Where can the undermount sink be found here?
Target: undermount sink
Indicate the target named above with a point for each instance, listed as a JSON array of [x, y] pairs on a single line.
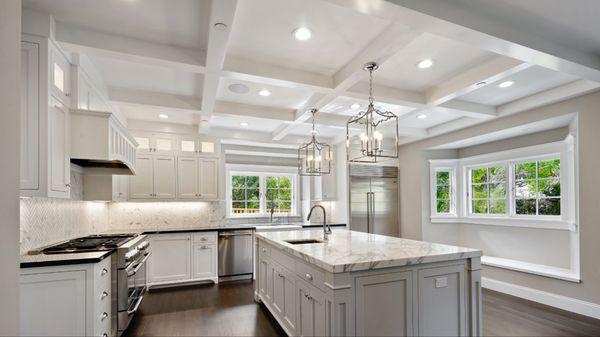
[[303, 241]]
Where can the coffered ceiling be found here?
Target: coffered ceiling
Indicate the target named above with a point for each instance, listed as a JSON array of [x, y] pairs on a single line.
[[255, 79]]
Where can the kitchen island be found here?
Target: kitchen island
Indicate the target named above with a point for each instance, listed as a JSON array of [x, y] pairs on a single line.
[[360, 284]]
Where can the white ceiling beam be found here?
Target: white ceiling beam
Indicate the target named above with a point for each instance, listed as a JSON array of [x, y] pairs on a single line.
[[468, 109], [268, 74], [90, 42], [223, 108], [387, 95], [550, 96], [487, 72], [154, 99], [222, 13]]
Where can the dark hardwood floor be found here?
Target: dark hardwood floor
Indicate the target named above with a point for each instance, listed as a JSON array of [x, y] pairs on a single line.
[[228, 309]]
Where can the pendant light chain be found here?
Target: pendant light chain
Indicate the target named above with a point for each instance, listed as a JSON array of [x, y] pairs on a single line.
[[371, 99]]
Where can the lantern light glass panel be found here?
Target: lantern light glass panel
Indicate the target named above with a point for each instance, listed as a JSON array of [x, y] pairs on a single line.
[[314, 158], [372, 136]]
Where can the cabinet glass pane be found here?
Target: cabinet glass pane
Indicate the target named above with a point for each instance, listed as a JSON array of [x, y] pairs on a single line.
[[59, 77], [207, 147], [163, 144], [188, 146], [144, 143]]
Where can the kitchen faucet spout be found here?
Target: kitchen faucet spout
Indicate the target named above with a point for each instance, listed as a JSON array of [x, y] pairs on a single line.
[[326, 228]]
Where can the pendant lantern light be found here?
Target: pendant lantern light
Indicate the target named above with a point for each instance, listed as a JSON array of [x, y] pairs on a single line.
[[314, 157]]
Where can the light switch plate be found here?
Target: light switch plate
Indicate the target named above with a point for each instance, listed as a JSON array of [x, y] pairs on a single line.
[[441, 282]]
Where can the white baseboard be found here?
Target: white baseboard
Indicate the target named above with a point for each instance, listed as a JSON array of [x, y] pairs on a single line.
[[558, 301]]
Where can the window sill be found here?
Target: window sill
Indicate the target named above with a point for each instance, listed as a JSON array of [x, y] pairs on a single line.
[[509, 222], [532, 268]]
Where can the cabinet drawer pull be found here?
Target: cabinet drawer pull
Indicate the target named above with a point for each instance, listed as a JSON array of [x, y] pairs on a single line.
[[105, 335], [308, 276], [104, 295], [103, 272], [104, 316], [278, 274]]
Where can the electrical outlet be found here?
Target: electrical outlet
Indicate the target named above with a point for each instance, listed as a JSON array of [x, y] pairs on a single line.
[[441, 282]]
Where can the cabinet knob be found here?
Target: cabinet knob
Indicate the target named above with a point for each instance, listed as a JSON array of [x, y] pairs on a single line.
[[103, 272], [278, 274], [104, 295], [68, 185], [104, 316], [105, 335], [67, 94], [264, 250], [308, 276], [308, 297]]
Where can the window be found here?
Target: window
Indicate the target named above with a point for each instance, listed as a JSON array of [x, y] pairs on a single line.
[[537, 187], [253, 194], [487, 192], [245, 194], [444, 194], [279, 194], [525, 187]]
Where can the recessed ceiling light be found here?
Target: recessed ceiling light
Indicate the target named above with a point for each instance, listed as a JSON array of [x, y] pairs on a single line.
[[425, 64], [422, 116], [243, 124], [355, 106], [302, 33], [238, 88], [506, 84], [264, 92], [163, 116]]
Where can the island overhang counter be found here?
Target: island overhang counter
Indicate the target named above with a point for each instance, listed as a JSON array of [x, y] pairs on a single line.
[[360, 284]]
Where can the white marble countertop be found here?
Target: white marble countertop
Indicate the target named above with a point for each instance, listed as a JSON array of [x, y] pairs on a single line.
[[352, 251]]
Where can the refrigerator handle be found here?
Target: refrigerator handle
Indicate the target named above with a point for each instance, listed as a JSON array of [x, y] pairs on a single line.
[[372, 211], [368, 211]]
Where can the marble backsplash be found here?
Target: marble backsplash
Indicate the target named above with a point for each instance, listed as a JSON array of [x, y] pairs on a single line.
[[46, 221], [125, 216]]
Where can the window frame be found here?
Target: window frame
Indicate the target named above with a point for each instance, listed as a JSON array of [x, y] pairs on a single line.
[[262, 172], [468, 179], [450, 166]]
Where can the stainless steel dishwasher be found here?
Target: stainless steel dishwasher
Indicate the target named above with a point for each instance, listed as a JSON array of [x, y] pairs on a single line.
[[235, 254]]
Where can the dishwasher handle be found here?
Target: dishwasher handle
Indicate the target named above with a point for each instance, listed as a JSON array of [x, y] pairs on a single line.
[[224, 235]]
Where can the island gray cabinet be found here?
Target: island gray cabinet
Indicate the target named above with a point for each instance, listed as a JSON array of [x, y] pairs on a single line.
[[428, 299]]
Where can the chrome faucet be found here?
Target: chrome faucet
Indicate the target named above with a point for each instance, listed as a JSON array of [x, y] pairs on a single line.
[[326, 228]]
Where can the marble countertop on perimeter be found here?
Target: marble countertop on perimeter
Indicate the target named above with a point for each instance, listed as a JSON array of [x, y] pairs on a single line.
[[353, 251]]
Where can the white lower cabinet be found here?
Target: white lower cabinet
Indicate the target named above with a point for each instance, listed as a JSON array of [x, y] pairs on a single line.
[[311, 310], [204, 264], [171, 258], [182, 257], [73, 300]]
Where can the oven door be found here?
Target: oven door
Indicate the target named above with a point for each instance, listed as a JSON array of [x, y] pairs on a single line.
[[134, 277]]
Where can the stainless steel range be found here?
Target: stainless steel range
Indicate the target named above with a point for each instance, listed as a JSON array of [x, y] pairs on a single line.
[[128, 270]]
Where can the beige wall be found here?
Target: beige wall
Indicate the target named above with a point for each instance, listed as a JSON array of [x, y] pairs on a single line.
[[414, 196], [10, 55]]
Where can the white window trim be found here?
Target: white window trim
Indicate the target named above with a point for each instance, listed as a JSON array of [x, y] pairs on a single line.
[[563, 150], [262, 171]]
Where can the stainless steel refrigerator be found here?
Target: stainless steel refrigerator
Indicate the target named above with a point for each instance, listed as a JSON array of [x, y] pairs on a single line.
[[374, 204]]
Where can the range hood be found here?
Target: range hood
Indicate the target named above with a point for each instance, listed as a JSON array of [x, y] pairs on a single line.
[[100, 144]]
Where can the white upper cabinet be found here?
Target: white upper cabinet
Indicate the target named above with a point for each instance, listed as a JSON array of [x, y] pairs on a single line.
[[196, 146], [45, 131], [165, 175], [60, 167], [155, 143], [60, 76], [30, 110], [156, 178], [188, 178], [209, 178], [141, 186]]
